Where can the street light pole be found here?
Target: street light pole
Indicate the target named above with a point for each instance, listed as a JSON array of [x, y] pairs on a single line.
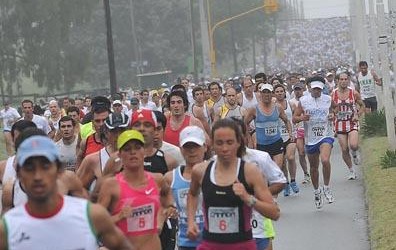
[[110, 49], [211, 36]]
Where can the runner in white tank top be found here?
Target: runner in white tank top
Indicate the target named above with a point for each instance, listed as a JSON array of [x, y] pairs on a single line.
[[316, 111], [63, 222]]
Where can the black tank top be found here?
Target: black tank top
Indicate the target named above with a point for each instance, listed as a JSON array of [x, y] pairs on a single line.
[[227, 217], [156, 163]]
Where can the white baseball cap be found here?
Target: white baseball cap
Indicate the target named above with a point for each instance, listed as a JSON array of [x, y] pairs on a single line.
[[266, 86], [317, 84], [192, 134]]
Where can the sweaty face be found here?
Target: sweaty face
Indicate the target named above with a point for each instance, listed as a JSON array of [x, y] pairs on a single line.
[[27, 108], [199, 96], [363, 69], [132, 154], [225, 143], [75, 116], [67, 129], [266, 96], [99, 119], [231, 96], [38, 177], [176, 105], [146, 128], [214, 91], [280, 93], [343, 81], [247, 86], [54, 108], [193, 153]]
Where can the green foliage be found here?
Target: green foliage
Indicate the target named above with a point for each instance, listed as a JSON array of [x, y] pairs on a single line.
[[374, 124], [389, 159]]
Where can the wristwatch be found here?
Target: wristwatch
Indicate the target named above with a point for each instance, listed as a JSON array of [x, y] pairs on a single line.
[[252, 201]]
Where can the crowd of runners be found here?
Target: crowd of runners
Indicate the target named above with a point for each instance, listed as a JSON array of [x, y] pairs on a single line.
[[194, 166]]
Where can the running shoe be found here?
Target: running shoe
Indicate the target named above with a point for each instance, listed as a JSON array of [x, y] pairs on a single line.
[[286, 190], [307, 179], [318, 199], [352, 175], [328, 195], [294, 187], [356, 158]]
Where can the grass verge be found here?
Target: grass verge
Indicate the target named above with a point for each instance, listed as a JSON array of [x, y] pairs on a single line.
[[380, 194]]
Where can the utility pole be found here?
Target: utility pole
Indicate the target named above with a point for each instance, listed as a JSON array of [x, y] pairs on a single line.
[[383, 40], [193, 50], [234, 52], [392, 14], [204, 39], [110, 49], [373, 32], [135, 40]]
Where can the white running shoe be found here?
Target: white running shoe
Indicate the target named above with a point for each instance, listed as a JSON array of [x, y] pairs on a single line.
[[356, 158], [318, 199], [307, 179], [352, 175], [328, 195]]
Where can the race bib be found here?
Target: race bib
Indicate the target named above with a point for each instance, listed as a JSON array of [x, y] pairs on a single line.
[[271, 130], [223, 220], [318, 131], [344, 115], [141, 218]]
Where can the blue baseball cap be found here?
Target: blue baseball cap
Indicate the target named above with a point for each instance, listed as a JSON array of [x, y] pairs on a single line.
[[37, 145]]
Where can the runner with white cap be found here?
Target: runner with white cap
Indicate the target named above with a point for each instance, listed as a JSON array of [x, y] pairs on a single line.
[[316, 111]]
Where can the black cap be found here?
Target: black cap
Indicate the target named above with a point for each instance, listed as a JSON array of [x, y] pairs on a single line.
[[100, 102], [117, 120]]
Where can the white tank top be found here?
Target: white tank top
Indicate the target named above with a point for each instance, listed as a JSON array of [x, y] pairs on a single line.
[[69, 228], [103, 158], [19, 196], [367, 85], [9, 171], [246, 103], [282, 125], [318, 126], [68, 154]]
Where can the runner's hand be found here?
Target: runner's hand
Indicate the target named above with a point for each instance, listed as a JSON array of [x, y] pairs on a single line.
[[192, 231], [125, 212], [240, 190]]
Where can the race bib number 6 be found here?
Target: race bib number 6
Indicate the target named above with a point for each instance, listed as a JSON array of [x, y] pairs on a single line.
[[223, 220]]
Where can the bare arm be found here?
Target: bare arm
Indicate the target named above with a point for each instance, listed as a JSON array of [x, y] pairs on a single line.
[[170, 161], [108, 194], [3, 235], [81, 152], [250, 115], [360, 103], [192, 199], [283, 116], [265, 204], [106, 230], [85, 172], [298, 115], [377, 79], [200, 115], [6, 199], [74, 185]]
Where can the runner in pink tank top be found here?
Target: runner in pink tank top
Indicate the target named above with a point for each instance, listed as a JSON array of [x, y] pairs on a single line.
[[145, 206], [134, 197]]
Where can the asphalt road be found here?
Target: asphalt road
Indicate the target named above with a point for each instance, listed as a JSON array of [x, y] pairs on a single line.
[[337, 226]]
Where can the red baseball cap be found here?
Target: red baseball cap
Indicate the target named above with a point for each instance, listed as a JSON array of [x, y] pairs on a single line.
[[144, 115]]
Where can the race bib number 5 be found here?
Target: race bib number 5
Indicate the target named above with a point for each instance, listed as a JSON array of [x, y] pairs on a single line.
[[223, 220]]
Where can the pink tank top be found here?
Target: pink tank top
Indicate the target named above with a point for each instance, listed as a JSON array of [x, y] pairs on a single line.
[[172, 136], [145, 203]]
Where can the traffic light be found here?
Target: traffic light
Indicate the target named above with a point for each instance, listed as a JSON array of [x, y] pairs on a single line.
[[271, 6]]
